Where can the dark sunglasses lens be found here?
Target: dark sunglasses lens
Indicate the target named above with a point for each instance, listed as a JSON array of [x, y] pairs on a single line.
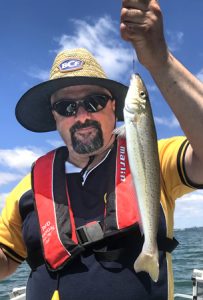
[[92, 103], [96, 103], [65, 108]]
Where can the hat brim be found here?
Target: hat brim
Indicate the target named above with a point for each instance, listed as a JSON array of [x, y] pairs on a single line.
[[33, 110]]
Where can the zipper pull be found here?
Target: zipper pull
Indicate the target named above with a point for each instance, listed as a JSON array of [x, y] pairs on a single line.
[[55, 295]]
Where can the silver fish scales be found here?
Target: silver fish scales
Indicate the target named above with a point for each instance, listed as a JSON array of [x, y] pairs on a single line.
[[143, 158]]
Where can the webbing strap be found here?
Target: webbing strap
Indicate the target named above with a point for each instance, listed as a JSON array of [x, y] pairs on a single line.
[[165, 244]]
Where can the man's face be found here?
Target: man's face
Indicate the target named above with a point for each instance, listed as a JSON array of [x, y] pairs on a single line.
[[85, 132]]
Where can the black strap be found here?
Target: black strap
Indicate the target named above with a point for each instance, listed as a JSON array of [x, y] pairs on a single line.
[[165, 244], [168, 245], [108, 255]]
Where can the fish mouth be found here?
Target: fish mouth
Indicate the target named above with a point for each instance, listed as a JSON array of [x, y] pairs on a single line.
[[129, 109]]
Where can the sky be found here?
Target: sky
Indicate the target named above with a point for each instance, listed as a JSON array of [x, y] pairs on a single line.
[[32, 33]]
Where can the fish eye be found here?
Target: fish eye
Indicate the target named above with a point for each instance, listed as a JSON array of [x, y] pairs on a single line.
[[142, 94]]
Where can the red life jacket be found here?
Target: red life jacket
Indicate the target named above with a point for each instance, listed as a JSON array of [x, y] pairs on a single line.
[[61, 240]]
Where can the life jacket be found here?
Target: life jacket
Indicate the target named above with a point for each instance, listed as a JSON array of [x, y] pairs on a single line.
[[61, 240]]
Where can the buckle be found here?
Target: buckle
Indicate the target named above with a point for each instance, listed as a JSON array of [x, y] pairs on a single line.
[[90, 232]]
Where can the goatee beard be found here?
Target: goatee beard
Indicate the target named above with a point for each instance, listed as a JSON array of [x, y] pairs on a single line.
[[82, 147]]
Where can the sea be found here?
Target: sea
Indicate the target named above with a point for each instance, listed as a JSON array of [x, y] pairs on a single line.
[[187, 257]]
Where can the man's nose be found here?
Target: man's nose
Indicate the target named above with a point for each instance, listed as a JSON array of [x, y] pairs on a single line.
[[82, 113]]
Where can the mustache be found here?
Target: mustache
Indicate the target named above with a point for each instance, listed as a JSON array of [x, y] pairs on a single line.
[[87, 123]]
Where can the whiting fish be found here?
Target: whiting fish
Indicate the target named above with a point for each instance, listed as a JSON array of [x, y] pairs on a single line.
[[143, 158]]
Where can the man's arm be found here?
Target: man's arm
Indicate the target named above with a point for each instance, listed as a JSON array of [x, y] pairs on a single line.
[[142, 25], [7, 265]]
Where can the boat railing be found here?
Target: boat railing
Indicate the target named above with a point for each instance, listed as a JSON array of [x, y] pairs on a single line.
[[197, 287], [184, 296], [18, 293]]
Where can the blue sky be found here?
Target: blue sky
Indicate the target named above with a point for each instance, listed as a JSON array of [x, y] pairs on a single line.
[[32, 32]]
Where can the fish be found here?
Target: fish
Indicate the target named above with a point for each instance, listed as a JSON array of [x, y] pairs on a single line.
[[142, 148]]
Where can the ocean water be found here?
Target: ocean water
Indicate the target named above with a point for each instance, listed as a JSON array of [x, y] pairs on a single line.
[[187, 256]]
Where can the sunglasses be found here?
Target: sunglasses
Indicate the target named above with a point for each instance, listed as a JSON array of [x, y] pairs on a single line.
[[91, 103]]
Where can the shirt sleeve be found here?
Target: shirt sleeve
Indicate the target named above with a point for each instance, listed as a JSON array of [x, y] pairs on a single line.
[[174, 178], [11, 240]]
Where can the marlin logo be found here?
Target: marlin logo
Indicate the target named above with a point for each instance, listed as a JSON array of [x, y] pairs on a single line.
[[71, 64]]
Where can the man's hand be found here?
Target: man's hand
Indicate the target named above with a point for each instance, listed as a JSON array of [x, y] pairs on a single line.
[[142, 25], [7, 265]]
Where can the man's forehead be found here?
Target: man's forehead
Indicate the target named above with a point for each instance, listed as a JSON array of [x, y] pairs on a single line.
[[79, 91]]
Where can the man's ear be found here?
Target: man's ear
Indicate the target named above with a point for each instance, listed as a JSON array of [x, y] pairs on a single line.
[[54, 114], [114, 105]]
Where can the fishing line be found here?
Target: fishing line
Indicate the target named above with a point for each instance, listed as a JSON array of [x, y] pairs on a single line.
[[134, 58]]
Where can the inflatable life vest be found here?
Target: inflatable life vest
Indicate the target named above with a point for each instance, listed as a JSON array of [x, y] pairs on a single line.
[[61, 240]]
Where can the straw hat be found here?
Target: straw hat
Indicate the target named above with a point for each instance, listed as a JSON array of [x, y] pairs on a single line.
[[70, 67]]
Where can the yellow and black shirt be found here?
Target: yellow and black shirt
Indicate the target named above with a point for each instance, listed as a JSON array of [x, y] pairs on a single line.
[[20, 239]]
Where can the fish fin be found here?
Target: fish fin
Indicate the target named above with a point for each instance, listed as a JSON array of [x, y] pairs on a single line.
[[120, 131], [140, 224], [148, 263]]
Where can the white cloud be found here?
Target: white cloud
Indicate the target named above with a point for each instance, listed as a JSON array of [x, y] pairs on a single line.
[[42, 75], [2, 200], [55, 143], [189, 210], [102, 39], [200, 75], [170, 122], [19, 158], [175, 39], [6, 178]]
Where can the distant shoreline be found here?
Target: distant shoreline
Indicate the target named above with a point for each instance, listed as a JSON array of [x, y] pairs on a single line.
[[189, 228]]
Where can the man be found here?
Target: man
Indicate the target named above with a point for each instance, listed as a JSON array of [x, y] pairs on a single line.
[[65, 223]]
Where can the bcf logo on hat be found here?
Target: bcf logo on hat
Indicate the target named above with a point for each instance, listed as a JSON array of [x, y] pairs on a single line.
[[70, 64]]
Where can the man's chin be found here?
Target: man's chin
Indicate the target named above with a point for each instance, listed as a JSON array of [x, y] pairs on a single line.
[[87, 147], [87, 140], [84, 138]]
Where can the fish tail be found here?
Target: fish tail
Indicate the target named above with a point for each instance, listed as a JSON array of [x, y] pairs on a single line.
[[148, 263]]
